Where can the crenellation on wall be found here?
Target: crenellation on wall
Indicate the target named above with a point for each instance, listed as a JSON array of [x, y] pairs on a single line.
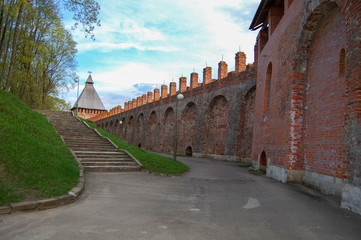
[[149, 97], [182, 84], [222, 70], [139, 101], [274, 17], [144, 99], [194, 80], [156, 94], [240, 62], [207, 75], [172, 88], [164, 91]]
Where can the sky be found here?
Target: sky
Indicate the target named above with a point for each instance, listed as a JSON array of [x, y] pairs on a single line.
[[143, 44]]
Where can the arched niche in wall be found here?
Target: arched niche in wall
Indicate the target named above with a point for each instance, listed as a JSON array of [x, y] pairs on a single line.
[[139, 132], [168, 130], [216, 126], [188, 128], [151, 135]]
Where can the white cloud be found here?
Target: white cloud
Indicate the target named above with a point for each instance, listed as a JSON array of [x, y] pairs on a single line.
[[109, 46], [153, 41], [141, 33]]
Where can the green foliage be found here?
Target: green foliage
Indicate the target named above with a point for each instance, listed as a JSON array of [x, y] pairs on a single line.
[[33, 159], [85, 13], [37, 53], [152, 162]]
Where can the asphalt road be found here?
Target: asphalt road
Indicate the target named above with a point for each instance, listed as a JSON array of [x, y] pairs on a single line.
[[215, 200]]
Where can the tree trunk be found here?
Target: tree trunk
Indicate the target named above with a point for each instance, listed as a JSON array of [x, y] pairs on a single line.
[[13, 54], [4, 65]]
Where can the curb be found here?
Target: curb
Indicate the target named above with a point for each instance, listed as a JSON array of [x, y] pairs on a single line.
[[43, 204], [53, 202]]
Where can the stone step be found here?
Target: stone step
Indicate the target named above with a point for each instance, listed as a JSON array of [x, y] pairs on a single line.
[[99, 152], [85, 138], [103, 163], [111, 168], [87, 141], [100, 159], [104, 158], [95, 152], [88, 149], [89, 145]]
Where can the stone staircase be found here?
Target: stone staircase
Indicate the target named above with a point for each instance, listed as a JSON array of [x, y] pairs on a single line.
[[95, 152]]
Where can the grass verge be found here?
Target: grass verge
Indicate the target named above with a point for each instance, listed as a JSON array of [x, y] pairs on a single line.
[[34, 162], [152, 162], [257, 172]]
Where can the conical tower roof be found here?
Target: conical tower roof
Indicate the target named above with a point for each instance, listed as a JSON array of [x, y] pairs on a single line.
[[89, 98]]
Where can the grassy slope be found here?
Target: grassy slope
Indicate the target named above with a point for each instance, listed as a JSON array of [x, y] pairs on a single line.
[[152, 162], [34, 162]]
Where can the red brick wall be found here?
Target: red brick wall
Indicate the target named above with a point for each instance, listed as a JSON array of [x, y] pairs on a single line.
[[304, 127], [325, 103]]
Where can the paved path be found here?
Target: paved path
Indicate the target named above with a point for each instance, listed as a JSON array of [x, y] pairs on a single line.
[[215, 200]]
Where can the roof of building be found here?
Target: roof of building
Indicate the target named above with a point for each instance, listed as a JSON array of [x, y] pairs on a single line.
[[89, 98], [260, 18]]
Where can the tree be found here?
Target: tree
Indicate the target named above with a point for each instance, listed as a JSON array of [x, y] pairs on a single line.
[[86, 13], [37, 52]]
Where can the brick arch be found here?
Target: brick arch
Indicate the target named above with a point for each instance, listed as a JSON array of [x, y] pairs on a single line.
[[110, 126], [188, 129], [325, 101], [167, 131], [139, 131], [122, 129], [263, 161], [130, 130], [267, 90], [116, 127], [151, 135], [216, 126], [313, 17], [245, 137], [316, 12]]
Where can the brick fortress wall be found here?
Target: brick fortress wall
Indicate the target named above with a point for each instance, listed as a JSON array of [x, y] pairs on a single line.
[[88, 113], [215, 118], [307, 105], [307, 125]]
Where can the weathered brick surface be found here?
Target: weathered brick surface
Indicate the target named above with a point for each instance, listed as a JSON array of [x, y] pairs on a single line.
[[325, 101], [313, 121]]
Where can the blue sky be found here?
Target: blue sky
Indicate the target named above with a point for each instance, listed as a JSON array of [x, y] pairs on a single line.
[[143, 44]]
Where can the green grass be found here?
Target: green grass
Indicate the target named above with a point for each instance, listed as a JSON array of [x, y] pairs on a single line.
[[257, 172], [245, 165], [34, 162], [152, 162]]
